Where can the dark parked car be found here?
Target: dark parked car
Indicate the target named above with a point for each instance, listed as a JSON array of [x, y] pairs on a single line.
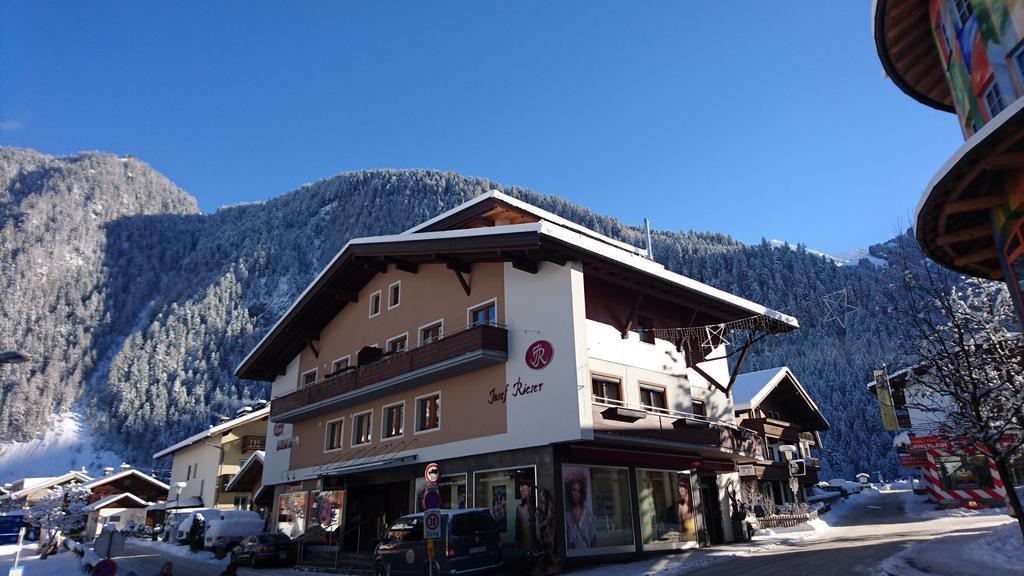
[[262, 549], [469, 544]]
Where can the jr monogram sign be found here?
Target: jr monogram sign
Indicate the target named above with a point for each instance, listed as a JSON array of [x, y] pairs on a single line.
[[539, 354]]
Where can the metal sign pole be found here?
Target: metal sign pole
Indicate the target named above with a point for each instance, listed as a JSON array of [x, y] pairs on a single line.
[[21, 537]]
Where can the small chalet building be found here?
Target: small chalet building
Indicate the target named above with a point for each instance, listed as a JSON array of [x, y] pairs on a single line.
[[27, 491], [560, 378], [122, 498], [203, 464], [773, 403]]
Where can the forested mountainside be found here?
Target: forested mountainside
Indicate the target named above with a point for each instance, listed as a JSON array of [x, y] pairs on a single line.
[[137, 308]]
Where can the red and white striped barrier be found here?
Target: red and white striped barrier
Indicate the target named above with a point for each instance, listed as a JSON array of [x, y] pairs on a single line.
[[971, 497]]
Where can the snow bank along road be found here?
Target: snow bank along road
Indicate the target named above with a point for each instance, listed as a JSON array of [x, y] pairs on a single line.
[[872, 528]]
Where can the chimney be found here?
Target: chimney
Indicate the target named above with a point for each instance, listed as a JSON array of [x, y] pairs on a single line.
[[125, 466], [108, 471]]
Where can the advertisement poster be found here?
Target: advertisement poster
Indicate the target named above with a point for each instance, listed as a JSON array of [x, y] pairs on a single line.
[[509, 495], [291, 514], [451, 488], [597, 508], [666, 509]]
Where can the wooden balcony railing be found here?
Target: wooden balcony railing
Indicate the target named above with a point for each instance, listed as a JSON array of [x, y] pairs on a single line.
[[392, 366], [661, 424]]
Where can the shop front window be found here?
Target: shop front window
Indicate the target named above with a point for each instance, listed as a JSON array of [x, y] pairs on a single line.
[[291, 514], [598, 516], [451, 488], [510, 496], [666, 509], [964, 472]]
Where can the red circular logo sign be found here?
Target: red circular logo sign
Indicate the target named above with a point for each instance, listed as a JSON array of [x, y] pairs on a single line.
[[539, 354]]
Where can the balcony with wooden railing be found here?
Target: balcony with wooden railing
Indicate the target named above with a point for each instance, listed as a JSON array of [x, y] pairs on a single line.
[[471, 349], [661, 424]]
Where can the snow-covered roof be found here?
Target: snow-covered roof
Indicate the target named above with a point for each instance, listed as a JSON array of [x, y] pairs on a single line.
[[116, 497], [750, 389], [529, 209], [123, 474], [551, 228], [254, 415], [255, 457], [41, 483]]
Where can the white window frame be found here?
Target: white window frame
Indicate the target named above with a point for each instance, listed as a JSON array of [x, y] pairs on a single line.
[[387, 345], [384, 421], [380, 304], [302, 377], [369, 428], [347, 357], [390, 286], [993, 89], [416, 417], [485, 303], [419, 331], [341, 436]]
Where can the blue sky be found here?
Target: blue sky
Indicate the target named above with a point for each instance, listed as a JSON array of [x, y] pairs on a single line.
[[754, 119]]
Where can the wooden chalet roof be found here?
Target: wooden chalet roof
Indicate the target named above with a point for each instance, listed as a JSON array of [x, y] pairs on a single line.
[[906, 47], [494, 228]]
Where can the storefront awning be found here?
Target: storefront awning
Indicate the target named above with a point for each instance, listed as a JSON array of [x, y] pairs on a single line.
[[365, 466]]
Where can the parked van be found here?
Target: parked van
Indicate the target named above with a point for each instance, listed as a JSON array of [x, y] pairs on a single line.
[[224, 532], [185, 525], [469, 544]]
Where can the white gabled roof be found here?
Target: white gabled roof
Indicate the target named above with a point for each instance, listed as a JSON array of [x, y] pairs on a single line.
[[48, 482], [256, 456], [529, 209], [114, 498], [750, 389], [254, 415], [124, 473]]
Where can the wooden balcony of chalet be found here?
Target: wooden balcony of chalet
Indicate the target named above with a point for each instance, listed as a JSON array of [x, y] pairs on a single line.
[[465, 351], [682, 428], [778, 429]]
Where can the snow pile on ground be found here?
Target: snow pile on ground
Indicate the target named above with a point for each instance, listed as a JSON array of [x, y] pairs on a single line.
[[63, 564], [991, 550], [68, 445], [169, 549]]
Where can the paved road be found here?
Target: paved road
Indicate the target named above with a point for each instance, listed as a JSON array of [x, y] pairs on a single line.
[[873, 529], [146, 560]]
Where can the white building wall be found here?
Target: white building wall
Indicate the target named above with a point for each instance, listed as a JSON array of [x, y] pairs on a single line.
[[275, 461], [183, 469]]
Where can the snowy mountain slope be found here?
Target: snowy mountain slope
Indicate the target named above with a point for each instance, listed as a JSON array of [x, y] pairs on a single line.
[[851, 257], [144, 324], [68, 445]]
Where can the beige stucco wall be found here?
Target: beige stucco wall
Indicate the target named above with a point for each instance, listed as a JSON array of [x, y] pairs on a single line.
[[466, 412], [433, 293]]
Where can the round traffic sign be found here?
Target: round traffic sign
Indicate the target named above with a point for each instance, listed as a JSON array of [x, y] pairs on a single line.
[[432, 473], [432, 499], [105, 567], [433, 521]]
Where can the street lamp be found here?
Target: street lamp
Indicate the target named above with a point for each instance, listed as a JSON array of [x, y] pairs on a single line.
[[14, 357]]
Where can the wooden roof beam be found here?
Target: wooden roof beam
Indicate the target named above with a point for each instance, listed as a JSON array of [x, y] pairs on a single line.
[[375, 265], [972, 233], [975, 257], [404, 265], [973, 204]]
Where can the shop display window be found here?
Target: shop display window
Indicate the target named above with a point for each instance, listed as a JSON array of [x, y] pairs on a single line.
[[667, 518], [451, 488], [510, 496], [598, 515], [964, 472], [325, 509], [291, 514]]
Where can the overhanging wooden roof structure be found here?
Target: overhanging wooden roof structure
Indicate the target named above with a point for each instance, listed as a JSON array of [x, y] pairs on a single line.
[[494, 228], [903, 39]]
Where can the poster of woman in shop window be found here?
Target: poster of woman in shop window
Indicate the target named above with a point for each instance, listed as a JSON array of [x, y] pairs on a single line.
[[580, 531]]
